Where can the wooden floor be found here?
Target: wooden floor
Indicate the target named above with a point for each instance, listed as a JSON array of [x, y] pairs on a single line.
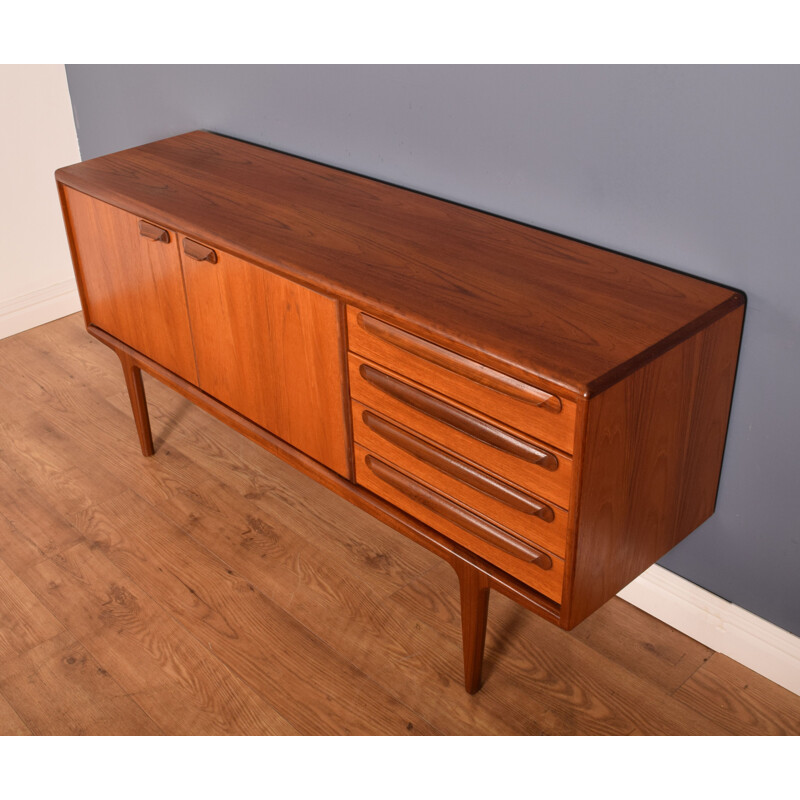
[[213, 590]]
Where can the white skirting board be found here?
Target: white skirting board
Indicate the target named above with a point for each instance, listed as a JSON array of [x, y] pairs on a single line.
[[759, 645], [35, 308]]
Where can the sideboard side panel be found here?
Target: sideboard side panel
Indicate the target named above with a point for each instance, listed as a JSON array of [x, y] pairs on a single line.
[[653, 454]]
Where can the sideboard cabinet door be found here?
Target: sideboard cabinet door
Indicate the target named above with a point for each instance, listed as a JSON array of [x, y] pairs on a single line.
[[132, 284], [270, 349]]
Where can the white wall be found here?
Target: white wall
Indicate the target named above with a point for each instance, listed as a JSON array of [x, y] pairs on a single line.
[[37, 136]]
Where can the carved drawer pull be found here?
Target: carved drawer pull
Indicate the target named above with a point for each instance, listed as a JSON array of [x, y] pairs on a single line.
[[458, 419], [456, 468], [460, 516], [150, 231], [486, 376], [199, 252]]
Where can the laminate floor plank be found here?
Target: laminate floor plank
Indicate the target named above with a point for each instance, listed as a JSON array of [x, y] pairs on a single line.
[[29, 528], [308, 682], [212, 589], [31, 381], [102, 440], [256, 474], [740, 700], [58, 689], [20, 374], [323, 594], [656, 652], [24, 622], [180, 684], [11, 723], [171, 497], [68, 343], [356, 623], [49, 679], [168, 479], [361, 625], [283, 498], [565, 685], [42, 455]]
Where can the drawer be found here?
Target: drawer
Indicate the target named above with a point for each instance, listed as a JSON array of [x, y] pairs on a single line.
[[530, 517], [486, 443], [536, 567], [540, 414]]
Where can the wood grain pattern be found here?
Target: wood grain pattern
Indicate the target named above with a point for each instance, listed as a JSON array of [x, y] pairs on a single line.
[[507, 350], [547, 581], [538, 416], [376, 599], [530, 302], [31, 529], [736, 698], [133, 380], [52, 682], [270, 348], [174, 678], [547, 533], [553, 486], [474, 591], [462, 421], [631, 638], [59, 689], [24, 622], [652, 462], [31, 451], [452, 362], [179, 685], [226, 608], [133, 286], [404, 523], [453, 511], [453, 467], [284, 516], [10, 722], [556, 678]]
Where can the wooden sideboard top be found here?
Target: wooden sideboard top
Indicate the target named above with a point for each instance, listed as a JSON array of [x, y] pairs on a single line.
[[530, 302]]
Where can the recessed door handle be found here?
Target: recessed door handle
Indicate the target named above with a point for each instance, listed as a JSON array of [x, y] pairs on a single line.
[[153, 232], [199, 252]]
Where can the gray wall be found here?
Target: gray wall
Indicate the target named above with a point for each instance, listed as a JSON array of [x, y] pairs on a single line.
[[696, 168]]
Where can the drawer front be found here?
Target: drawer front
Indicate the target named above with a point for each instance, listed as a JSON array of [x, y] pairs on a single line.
[[536, 567], [539, 414], [485, 443], [531, 518]]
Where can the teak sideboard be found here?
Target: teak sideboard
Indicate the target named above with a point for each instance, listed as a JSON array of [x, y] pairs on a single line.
[[547, 416]]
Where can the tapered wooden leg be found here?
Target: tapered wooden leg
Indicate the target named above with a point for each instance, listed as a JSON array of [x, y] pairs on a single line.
[[133, 380], [474, 586]]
